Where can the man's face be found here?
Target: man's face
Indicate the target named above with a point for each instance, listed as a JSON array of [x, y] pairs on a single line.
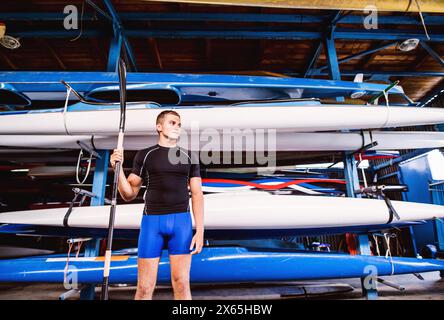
[[170, 127]]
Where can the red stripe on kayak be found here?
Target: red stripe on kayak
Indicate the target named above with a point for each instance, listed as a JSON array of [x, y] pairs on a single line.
[[273, 187], [376, 157]]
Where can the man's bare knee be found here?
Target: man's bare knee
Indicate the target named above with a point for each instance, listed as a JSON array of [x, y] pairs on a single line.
[[180, 283], [147, 285], [145, 290]]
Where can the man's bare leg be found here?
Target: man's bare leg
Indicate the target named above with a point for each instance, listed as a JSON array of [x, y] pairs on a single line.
[[146, 278], [180, 276]]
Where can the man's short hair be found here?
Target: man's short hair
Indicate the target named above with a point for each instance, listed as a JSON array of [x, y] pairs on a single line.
[[162, 116]]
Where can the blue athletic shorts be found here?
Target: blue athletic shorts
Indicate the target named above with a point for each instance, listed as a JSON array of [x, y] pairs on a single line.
[[174, 229]]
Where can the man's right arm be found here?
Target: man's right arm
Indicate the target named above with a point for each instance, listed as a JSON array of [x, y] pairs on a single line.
[[128, 188]]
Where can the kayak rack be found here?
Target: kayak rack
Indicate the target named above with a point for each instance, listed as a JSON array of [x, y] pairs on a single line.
[[378, 192], [71, 293], [92, 153], [97, 196], [391, 284], [83, 194]]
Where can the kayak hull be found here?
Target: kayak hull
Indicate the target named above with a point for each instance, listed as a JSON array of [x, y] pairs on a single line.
[[217, 265], [245, 210], [140, 119], [264, 141]]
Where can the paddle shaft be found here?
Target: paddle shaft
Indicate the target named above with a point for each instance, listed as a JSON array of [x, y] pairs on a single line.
[[118, 166], [112, 214]]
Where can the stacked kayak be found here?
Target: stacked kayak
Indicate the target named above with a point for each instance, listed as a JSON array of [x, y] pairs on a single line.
[[263, 141], [84, 119], [217, 265], [244, 210]]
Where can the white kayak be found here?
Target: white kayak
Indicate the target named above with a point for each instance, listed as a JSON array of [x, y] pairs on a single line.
[[281, 141], [140, 119], [246, 210]]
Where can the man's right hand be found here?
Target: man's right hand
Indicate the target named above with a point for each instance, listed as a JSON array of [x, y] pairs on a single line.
[[116, 156]]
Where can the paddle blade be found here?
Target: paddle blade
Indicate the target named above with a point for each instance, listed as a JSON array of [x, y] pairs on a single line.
[[122, 87]]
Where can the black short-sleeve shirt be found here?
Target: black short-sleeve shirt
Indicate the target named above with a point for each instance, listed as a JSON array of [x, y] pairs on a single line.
[[166, 172]]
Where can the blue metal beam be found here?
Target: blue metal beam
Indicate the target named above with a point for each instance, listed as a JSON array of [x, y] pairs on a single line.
[[352, 179], [349, 34], [330, 50], [314, 59], [99, 10], [99, 186], [381, 73], [388, 176], [120, 33], [100, 176], [129, 51], [332, 59], [404, 157], [361, 54], [340, 33], [59, 33], [229, 17], [433, 53], [350, 168], [351, 175], [114, 53]]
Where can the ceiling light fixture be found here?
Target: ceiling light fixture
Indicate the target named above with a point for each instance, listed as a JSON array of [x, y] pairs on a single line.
[[408, 45]]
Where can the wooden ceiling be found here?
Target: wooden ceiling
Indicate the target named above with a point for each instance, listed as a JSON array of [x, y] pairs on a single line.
[[253, 56]]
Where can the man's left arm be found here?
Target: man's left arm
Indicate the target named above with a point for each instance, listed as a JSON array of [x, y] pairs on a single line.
[[197, 202]]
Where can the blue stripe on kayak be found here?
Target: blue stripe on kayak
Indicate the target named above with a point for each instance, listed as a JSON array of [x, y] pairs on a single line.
[[90, 107], [222, 185], [312, 186]]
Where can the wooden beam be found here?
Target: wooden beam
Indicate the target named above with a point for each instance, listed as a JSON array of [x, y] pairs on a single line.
[[8, 61], [360, 5], [53, 53], [417, 63], [98, 51], [370, 57], [156, 52], [208, 54], [155, 49]]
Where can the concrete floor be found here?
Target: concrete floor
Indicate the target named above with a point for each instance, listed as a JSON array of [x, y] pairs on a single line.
[[432, 288]]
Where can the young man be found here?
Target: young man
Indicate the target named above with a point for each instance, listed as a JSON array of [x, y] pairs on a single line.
[[167, 170]]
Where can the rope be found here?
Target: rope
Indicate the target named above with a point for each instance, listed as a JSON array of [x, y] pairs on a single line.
[[81, 23], [375, 237], [65, 271], [386, 98], [65, 109], [422, 20], [87, 169], [389, 252], [78, 248]]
